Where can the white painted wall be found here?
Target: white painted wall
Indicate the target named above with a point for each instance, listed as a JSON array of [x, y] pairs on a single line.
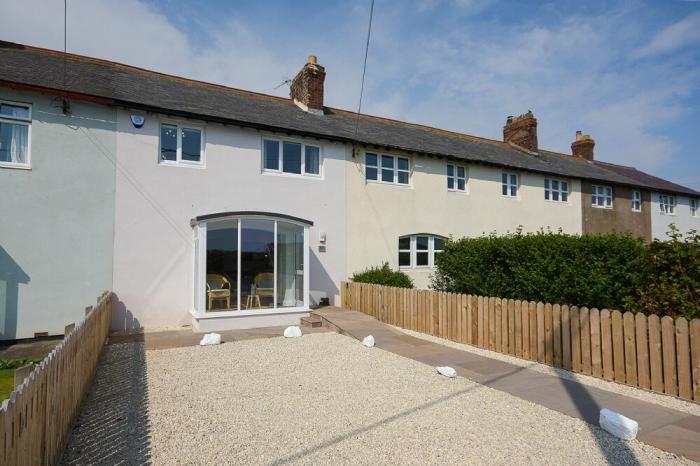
[[684, 221], [153, 244], [378, 214]]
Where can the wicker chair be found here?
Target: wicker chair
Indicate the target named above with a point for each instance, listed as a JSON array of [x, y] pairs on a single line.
[[218, 289]]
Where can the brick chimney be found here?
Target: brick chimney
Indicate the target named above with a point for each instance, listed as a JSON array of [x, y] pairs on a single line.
[[583, 146], [522, 131], [307, 87]]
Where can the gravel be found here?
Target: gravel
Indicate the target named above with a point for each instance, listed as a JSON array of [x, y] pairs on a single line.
[[661, 400], [320, 399]]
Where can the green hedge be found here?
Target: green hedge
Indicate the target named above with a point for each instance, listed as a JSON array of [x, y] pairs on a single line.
[[383, 275], [604, 271]]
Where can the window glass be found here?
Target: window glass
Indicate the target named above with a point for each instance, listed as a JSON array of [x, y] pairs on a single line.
[[422, 243], [461, 184], [14, 143], [422, 258], [510, 184], [291, 157], [402, 164], [311, 160], [404, 259], [419, 250], [222, 266], [694, 207], [272, 155], [290, 265], [403, 171], [405, 242], [168, 142], [191, 145], [371, 166], [14, 111], [403, 178], [439, 244], [636, 201], [450, 182], [450, 170]]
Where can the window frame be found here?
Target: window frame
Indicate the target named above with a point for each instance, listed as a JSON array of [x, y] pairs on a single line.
[[672, 205], [414, 251], [509, 186], [693, 205], [395, 168], [636, 200], [455, 177], [549, 190], [280, 159], [21, 121], [178, 162], [595, 195]]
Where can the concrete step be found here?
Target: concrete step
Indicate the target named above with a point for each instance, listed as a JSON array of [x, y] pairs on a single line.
[[311, 321]]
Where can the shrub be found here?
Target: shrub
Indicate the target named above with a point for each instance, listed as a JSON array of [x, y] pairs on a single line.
[[670, 277], [383, 275], [595, 271], [17, 363]]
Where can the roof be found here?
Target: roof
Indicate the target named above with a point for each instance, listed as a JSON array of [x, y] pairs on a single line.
[[138, 88]]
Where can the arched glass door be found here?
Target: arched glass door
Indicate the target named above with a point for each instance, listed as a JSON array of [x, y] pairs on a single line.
[[250, 263]]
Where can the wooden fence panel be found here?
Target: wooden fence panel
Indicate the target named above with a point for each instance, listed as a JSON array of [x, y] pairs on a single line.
[[651, 353], [685, 389], [596, 356], [630, 349], [36, 419], [668, 348], [642, 347], [656, 364]]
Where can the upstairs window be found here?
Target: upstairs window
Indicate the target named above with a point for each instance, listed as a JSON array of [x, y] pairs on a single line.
[[419, 251], [556, 190], [456, 178], [181, 145], [509, 183], [291, 157], [601, 197], [387, 168], [667, 204], [636, 201], [15, 126], [693, 207]]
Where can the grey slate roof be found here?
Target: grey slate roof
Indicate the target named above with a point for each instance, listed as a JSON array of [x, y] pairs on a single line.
[[138, 88]]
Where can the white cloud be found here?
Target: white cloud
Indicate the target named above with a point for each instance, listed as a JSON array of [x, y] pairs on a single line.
[[681, 34]]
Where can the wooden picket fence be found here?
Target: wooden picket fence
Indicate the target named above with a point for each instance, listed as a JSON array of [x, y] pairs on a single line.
[[648, 352], [36, 420]]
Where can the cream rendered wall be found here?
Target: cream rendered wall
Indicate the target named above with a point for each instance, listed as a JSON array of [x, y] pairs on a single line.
[[684, 221], [378, 214], [153, 245]]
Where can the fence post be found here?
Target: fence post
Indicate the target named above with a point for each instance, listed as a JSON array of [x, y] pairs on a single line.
[[22, 373]]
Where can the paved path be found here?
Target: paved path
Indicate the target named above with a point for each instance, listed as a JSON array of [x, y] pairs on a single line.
[[664, 428]]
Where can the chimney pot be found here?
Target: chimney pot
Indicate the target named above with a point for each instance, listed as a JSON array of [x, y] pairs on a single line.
[[522, 131], [307, 86]]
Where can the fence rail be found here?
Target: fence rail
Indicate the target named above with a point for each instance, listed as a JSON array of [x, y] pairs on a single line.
[[657, 354], [36, 419]]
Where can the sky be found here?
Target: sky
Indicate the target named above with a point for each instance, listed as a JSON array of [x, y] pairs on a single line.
[[625, 72]]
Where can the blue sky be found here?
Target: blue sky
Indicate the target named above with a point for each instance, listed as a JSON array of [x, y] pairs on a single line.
[[626, 72]]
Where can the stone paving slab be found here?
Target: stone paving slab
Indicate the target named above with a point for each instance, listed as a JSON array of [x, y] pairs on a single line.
[[661, 427]]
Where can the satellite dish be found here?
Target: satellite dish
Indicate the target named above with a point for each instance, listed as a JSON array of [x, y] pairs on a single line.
[[138, 120]]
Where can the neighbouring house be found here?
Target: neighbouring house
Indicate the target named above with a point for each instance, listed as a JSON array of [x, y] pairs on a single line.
[[222, 208]]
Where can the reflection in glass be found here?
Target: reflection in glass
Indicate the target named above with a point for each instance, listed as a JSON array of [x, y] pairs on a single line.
[[290, 265], [222, 265], [257, 263]]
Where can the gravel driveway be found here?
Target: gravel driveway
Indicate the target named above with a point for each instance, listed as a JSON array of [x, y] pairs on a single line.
[[319, 399]]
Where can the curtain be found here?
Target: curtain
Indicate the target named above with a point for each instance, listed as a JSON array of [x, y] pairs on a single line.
[[14, 142]]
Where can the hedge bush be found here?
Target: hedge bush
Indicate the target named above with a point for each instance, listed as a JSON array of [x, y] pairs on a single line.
[[383, 275], [604, 271]]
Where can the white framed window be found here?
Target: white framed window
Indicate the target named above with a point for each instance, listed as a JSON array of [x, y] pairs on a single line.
[[601, 197], [419, 251], [291, 157], [181, 144], [15, 134], [693, 207], [667, 204], [556, 190], [456, 178], [383, 168], [636, 201], [509, 184]]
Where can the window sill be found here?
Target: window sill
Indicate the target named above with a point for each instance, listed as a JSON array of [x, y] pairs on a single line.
[[668, 215], [386, 183], [557, 202], [304, 176], [511, 198], [602, 207], [200, 166], [457, 191], [15, 166]]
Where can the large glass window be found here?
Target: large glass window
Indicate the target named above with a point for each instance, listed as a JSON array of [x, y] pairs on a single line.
[[667, 204], [601, 197], [456, 178], [636, 201], [291, 157], [556, 190], [180, 145], [387, 168], [250, 263], [509, 184], [419, 251], [15, 122]]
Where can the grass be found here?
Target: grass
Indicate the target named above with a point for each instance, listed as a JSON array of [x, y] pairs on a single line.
[[7, 383]]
